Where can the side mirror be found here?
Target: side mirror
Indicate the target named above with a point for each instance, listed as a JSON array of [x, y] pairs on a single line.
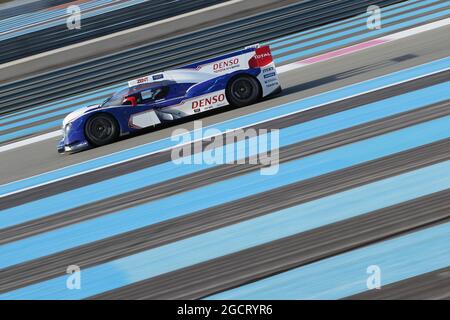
[[132, 101]]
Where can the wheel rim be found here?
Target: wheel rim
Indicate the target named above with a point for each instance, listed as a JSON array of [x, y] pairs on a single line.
[[100, 129], [242, 89]]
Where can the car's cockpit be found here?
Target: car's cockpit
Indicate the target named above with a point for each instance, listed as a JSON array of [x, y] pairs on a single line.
[[142, 94]]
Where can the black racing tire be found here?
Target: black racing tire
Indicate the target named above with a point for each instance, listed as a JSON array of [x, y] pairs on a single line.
[[101, 129], [243, 90]]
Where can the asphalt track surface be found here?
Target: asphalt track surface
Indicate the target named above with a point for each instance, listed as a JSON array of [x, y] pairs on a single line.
[[233, 270], [325, 76]]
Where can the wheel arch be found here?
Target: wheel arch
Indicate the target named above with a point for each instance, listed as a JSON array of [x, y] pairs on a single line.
[[109, 114], [244, 74], [105, 113]]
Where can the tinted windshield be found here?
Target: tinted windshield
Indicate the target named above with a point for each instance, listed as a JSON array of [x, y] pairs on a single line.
[[149, 91], [117, 98]]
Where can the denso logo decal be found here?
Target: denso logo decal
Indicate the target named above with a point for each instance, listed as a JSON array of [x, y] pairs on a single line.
[[208, 101], [225, 65]]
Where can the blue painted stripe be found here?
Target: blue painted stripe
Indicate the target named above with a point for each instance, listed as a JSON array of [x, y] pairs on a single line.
[[246, 120], [369, 34], [156, 174], [92, 97], [30, 130], [345, 275], [250, 233], [362, 20], [222, 192], [62, 113]]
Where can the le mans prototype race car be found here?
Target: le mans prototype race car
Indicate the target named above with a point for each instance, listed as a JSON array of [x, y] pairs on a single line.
[[240, 78]]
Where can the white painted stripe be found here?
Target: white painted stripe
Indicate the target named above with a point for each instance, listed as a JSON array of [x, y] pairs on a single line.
[[282, 69], [214, 135], [382, 40], [31, 140]]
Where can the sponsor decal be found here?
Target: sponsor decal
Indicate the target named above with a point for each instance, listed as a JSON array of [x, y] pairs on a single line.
[[262, 57], [268, 69], [197, 110], [158, 76], [138, 81], [208, 101], [271, 80], [142, 80], [269, 75], [226, 65]]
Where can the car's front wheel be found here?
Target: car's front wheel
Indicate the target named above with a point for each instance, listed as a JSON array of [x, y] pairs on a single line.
[[243, 91], [101, 129]]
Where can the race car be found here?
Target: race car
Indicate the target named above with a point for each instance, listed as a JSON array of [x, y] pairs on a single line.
[[239, 79]]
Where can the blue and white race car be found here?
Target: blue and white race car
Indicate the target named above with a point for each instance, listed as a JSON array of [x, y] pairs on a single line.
[[240, 78]]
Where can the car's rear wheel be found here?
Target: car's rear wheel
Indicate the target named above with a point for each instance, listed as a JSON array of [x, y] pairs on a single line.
[[243, 90], [101, 129]]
